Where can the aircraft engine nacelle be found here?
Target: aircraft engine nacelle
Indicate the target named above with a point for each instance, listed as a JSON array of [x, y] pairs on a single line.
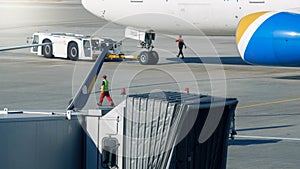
[[270, 38]]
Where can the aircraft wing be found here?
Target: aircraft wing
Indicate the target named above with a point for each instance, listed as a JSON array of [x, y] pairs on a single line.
[[21, 46], [82, 95]]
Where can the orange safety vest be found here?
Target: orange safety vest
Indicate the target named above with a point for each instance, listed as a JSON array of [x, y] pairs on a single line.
[[180, 42]]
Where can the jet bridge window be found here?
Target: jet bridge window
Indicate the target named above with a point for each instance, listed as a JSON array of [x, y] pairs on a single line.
[[95, 44], [109, 152]]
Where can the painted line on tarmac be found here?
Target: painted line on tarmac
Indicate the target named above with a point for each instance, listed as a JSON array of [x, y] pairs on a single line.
[[269, 103], [268, 138]]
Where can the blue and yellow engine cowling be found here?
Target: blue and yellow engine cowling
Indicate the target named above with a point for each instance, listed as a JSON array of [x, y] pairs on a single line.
[[270, 38]]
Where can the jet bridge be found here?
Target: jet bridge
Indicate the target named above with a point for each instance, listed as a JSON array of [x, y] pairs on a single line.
[[153, 130], [161, 130]]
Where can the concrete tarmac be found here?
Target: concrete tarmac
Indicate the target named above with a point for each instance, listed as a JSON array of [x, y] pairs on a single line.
[[268, 113]]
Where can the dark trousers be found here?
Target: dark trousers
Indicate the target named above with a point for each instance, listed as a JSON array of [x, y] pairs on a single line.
[[180, 52]]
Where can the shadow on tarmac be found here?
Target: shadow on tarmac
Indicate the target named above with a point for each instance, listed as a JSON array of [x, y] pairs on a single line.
[[288, 77], [230, 60], [264, 128], [247, 142], [270, 115]]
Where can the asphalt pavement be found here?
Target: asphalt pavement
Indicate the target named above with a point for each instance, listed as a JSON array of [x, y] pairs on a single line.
[[268, 113]]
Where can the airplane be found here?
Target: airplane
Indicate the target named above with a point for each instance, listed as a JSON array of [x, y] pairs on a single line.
[[267, 31]]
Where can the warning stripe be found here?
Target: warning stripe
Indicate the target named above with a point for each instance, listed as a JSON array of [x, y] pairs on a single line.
[[245, 22], [247, 27]]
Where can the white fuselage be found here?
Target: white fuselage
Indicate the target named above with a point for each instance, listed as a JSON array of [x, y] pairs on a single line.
[[189, 17]]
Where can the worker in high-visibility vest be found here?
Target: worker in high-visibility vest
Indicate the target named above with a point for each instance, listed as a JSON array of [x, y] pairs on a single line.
[[104, 92]]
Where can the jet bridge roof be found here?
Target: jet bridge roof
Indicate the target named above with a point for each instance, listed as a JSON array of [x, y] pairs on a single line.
[[185, 98]]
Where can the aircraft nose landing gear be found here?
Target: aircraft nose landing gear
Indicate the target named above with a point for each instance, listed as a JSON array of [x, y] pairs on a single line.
[[145, 38]]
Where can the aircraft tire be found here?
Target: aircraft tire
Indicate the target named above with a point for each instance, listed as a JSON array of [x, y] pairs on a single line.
[[144, 58], [47, 50], [73, 51], [155, 57]]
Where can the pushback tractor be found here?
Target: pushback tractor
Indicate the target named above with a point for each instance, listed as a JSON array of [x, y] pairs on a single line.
[[74, 46]]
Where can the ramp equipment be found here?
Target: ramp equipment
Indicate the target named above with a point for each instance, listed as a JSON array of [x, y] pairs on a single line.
[[74, 46], [162, 130]]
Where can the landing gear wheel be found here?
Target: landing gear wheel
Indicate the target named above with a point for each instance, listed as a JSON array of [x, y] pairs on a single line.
[[155, 57], [47, 50], [73, 51], [144, 58], [148, 58]]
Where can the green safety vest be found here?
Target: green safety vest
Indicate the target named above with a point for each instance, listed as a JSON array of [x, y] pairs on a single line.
[[105, 85]]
